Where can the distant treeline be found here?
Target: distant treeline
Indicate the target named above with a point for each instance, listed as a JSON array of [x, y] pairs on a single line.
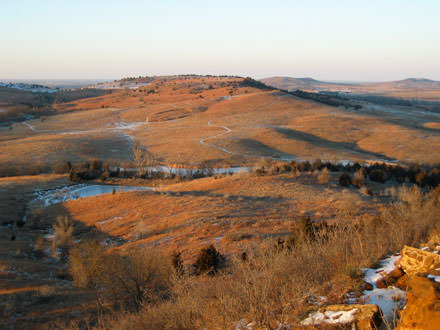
[[329, 99], [426, 176], [173, 77], [250, 82]]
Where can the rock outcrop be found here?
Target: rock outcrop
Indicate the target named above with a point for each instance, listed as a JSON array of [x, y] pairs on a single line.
[[423, 308], [415, 261]]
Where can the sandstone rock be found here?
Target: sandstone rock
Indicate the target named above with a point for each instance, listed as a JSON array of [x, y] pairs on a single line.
[[395, 274], [416, 261], [402, 283], [368, 286], [423, 308], [381, 283], [390, 278], [361, 317]]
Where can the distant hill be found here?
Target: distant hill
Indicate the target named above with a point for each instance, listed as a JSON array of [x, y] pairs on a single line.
[[290, 83], [411, 88], [310, 84], [417, 83]]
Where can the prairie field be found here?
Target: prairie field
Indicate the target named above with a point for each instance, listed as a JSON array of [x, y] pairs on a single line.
[[250, 200]]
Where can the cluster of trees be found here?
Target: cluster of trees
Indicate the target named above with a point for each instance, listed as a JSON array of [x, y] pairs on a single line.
[[333, 99], [424, 176], [250, 82]]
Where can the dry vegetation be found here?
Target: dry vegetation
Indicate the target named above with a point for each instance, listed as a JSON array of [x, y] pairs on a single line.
[[271, 284], [204, 251], [182, 121]]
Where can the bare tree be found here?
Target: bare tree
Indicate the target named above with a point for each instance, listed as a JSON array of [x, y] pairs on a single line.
[[144, 161]]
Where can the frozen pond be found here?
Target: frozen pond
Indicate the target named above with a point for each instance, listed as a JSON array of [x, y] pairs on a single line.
[[66, 193]]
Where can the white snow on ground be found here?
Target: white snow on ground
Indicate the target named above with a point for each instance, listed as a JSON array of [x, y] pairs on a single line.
[[387, 265], [32, 128], [434, 277], [130, 126], [117, 127], [331, 317], [103, 222], [390, 299]]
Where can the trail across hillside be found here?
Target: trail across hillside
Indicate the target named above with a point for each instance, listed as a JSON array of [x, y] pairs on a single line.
[[228, 130]]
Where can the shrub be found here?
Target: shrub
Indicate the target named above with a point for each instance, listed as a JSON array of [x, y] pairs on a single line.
[[87, 264], [304, 166], [62, 167], [96, 166], [378, 175], [306, 230], [345, 179], [209, 261], [366, 191], [63, 237], [177, 262], [144, 276], [359, 178], [317, 165], [324, 176]]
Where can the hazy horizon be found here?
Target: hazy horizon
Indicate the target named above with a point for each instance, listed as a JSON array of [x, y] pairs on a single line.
[[329, 41], [59, 81]]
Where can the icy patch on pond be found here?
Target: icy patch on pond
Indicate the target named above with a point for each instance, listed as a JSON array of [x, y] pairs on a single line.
[[331, 317], [66, 193]]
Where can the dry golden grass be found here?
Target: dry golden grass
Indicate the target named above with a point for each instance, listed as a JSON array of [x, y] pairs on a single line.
[[190, 215], [261, 123], [271, 287]]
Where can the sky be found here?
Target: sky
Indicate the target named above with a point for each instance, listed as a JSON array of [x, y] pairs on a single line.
[[361, 40]]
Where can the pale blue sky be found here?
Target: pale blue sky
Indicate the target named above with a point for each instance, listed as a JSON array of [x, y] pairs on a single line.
[[359, 40]]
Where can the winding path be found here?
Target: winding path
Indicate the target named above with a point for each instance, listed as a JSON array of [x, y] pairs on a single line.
[[228, 130]]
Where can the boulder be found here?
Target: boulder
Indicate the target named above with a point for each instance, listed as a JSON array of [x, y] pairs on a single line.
[[367, 286], [390, 279], [360, 317], [402, 282], [381, 283], [422, 310], [416, 261]]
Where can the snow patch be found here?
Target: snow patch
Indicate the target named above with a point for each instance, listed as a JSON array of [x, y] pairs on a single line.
[[436, 278], [389, 299], [331, 317]]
